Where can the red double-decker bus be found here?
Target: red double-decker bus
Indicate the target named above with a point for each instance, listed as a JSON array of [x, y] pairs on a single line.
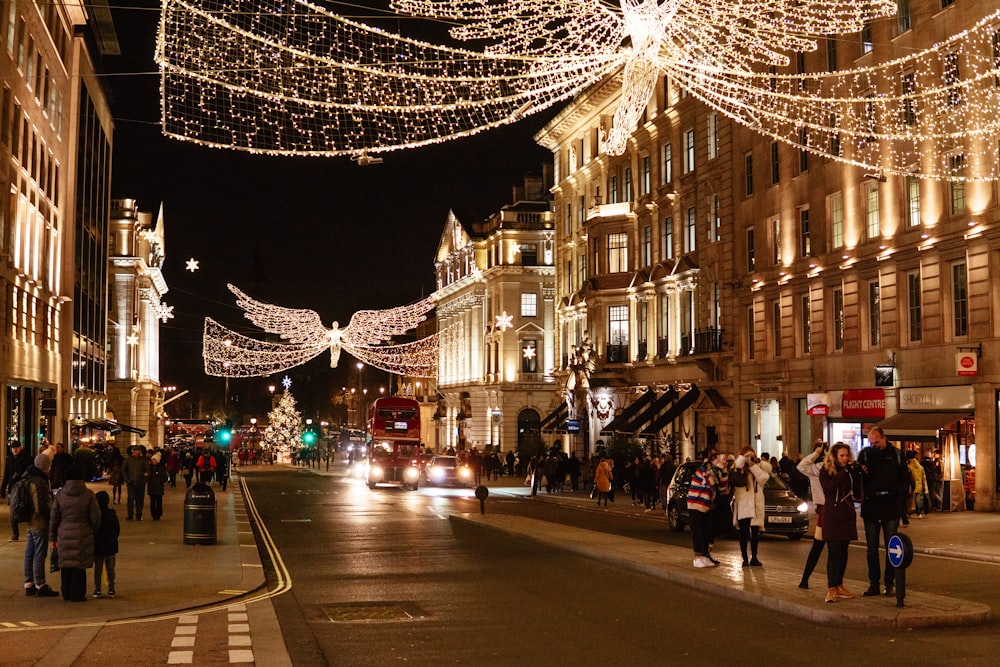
[[395, 453]]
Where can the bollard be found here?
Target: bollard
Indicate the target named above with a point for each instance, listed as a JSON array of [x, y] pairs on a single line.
[[900, 550], [482, 493]]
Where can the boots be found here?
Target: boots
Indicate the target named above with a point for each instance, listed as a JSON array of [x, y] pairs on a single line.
[[831, 595]]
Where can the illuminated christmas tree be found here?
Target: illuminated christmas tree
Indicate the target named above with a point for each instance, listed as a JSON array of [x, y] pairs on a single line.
[[284, 427]]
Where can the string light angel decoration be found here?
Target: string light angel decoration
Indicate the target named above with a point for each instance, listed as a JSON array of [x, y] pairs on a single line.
[[292, 78], [368, 337]]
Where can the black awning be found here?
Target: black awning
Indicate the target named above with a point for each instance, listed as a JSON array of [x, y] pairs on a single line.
[[682, 404], [557, 415], [919, 426], [630, 410], [647, 415], [112, 427]]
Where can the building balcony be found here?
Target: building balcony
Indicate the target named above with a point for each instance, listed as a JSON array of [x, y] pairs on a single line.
[[640, 353], [702, 341], [616, 354]]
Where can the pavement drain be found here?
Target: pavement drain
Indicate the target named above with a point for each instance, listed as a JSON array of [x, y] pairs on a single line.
[[352, 612]]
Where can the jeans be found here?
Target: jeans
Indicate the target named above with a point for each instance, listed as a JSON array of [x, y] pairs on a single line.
[[35, 552], [701, 531], [101, 564], [888, 528], [136, 498]]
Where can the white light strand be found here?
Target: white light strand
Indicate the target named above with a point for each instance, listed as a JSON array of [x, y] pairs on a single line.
[[229, 353], [288, 77]]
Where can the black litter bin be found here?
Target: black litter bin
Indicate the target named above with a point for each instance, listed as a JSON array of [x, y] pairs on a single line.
[[199, 515]]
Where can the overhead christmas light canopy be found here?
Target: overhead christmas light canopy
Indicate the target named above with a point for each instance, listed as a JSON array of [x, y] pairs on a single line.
[[289, 77], [227, 353]]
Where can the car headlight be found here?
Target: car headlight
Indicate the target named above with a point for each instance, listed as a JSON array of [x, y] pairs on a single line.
[[464, 473], [437, 474], [376, 471], [803, 507], [412, 473]]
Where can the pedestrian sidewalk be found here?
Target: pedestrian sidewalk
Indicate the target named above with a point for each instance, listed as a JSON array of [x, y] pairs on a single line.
[[967, 535], [156, 572]]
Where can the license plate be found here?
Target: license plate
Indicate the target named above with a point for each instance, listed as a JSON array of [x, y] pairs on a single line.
[[780, 519]]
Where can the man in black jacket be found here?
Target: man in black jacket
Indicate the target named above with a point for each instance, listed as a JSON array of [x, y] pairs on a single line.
[[886, 483], [18, 461]]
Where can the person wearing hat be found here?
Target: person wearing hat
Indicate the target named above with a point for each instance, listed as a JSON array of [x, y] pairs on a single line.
[[37, 546], [18, 461], [157, 483]]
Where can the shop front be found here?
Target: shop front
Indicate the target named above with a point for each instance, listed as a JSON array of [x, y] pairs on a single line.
[[848, 414], [938, 424]]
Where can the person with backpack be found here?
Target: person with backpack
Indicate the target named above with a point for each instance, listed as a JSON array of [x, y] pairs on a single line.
[[34, 488], [206, 467], [18, 461]]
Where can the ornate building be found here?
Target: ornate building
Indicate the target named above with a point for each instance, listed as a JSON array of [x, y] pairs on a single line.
[[740, 291], [55, 145], [496, 315]]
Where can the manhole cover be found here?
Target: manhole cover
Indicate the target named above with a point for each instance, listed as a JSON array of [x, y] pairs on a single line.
[[351, 612]]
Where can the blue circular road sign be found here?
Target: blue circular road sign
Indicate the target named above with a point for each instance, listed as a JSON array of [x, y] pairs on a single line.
[[900, 551]]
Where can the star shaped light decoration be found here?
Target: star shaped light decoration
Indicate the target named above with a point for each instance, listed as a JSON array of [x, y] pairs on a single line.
[[163, 311], [528, 352], [286, 382], [504, 321], [192, 265], [367, 338], [132, 339], [289, 77]]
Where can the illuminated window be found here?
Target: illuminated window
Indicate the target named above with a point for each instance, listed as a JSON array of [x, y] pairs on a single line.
[[713, 135], [689, 151], [960, 299], [618, 325], [667, 251], [872, 223], [617, 252], [529, 356], [912, 201], [805, 242], [529, 304], [751, 252], [667, 168], [836, 204]]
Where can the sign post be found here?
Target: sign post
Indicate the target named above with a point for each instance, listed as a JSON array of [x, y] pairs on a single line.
[[900, 550]]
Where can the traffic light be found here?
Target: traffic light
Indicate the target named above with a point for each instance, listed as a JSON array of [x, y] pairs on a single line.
[[308, 438], [225, 435]]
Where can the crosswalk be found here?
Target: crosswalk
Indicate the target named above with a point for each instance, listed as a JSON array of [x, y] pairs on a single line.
[[240, 646]]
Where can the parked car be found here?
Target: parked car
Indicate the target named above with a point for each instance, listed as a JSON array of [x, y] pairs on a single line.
[[784, 512], [447, 470]]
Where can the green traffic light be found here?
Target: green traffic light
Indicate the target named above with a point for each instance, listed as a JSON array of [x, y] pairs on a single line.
[[309, 437], [225, 436]]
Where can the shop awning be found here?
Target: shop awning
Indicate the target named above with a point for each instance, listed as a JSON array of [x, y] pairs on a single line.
[[112, 427], [554, 418], [630, 411], [919, 425], [675, 411], [647, 415]]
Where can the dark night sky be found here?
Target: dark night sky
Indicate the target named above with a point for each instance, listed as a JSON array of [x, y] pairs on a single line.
[[327, 234]]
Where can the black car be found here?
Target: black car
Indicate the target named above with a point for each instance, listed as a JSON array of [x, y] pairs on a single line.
[[784, 512], [447, 470]]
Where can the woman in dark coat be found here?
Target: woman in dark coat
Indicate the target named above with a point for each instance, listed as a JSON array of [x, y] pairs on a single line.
[[157, 483], [841, 482], [75, 519]]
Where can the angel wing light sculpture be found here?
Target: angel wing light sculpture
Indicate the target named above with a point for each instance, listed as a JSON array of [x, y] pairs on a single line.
[[228, 353], [289, 77]]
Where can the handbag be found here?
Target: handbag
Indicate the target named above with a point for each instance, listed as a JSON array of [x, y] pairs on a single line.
[[54, 560]]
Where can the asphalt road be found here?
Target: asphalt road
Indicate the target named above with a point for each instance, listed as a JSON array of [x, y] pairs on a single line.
[[382, 577]]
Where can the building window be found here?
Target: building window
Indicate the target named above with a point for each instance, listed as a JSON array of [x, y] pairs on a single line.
[[663, 333], [805, 244], [646, 184], [806, 308], [647, 245], [776, 327], [628, 184], [689, 151], [617, 252], [529, 304], [960, 299], [831, 54], [776, 239], [866, 38], [667, 251], [957, 164], [751, 339], [529, 356], [581, 211], [947, 3], [618, 325], [690, 231], [904, 20], [838, 319], [775, 173], [668, 164], [872, 226], [908, 87], [912, 201], [613, 188], [713, 136], [529, 254], [748, 174], [582, 268], [715, 233], [569, 219], [803, 153], [874, 314], [952, 79], [751, 252], [836, 203], [914, 306], [642, 329]]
